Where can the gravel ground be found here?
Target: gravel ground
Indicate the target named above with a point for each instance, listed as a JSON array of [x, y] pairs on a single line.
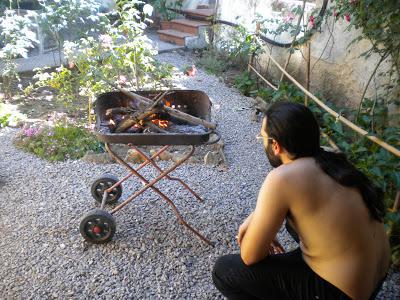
[[43, 256]]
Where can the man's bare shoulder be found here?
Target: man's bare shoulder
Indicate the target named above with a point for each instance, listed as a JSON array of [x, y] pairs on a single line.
[[300, 168]]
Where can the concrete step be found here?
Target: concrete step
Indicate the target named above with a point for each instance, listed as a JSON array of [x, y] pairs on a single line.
[[184, 25], [174, 36], [200, 13]]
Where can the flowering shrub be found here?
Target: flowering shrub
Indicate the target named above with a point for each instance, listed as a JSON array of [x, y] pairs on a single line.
[[122, 54], [57, 141], [16, 32]]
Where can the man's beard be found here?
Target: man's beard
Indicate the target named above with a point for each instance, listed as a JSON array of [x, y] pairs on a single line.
[[274, 160]]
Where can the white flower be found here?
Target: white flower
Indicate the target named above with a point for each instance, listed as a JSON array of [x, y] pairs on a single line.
[[105, 40], [148, 9]]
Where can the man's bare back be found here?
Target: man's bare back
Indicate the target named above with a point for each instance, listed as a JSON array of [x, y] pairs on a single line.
[[339, 240], [335, 209]]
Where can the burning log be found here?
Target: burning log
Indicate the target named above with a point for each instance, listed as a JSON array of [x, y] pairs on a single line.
[[171, 111], [136, 117]]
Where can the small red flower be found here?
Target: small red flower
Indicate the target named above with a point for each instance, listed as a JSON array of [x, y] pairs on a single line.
[[311, 21], [347, 17], [335, 13]]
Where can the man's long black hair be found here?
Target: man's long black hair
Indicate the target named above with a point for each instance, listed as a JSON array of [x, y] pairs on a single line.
[[295, 128]]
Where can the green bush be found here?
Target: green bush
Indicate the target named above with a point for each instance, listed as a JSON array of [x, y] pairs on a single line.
[[212, 62], [246, 84], [57, 143]]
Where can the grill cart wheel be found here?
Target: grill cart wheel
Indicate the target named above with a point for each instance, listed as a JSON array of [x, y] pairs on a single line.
[[105, 182], [97, 227]]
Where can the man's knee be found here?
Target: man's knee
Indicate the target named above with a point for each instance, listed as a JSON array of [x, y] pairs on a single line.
[[225, 266], [224, 273]]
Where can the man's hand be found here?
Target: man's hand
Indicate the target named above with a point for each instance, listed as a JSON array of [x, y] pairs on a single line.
[[276, 247], [243, 228]]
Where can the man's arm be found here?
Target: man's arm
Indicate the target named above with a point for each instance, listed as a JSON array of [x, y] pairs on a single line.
[[266, 219]]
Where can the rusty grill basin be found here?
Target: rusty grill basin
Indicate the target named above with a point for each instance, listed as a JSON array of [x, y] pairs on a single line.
[[196, 103]]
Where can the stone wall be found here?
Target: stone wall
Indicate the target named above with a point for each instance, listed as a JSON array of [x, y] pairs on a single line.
[[339, 75]]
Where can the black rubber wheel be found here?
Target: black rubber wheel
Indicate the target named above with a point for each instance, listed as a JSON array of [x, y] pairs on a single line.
[[105, 182], [97, 227]]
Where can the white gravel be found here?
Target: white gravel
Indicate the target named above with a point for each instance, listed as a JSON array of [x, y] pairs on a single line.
[[42, 255]]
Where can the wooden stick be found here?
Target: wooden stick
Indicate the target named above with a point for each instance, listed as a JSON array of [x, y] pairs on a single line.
[[119, 110], [396, 205], [350, 124]]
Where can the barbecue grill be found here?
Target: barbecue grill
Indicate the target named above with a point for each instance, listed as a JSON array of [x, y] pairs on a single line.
[[98, 226]]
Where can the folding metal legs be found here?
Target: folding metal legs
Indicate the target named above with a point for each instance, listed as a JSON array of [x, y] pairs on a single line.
[[150, 184]]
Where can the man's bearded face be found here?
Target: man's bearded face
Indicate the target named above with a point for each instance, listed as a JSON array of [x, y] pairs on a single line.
[[274, 160]]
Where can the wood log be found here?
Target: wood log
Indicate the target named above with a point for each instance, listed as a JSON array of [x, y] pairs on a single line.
[[119, 110], [173, 112], [154, 127], [125, 124], [135, 118]]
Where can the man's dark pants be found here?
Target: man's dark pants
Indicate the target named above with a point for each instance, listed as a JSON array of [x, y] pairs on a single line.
[[280, 276]]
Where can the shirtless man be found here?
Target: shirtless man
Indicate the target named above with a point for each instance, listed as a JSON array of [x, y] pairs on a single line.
[[334, 209]]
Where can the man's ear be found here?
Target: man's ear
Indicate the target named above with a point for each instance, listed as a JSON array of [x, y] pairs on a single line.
[[276, 147]]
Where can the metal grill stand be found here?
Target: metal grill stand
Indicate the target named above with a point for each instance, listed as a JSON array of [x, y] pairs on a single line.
[[98, 226]]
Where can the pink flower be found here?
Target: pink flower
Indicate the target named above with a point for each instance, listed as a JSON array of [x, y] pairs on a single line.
[[289, 17], [311, 21], [347, 17], [335, 13], [30, 132], [122, 79]]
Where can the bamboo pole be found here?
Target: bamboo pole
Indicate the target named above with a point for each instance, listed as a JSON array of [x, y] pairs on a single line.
[[348, 123], [266, 81], [308, 65], [396, 205]]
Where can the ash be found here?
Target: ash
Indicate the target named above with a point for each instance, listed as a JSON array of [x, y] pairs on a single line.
[[195, 129]]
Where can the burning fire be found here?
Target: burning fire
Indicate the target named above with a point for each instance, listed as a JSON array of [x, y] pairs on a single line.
[[161, 123]]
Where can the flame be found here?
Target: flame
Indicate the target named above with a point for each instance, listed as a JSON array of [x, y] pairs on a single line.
[[167, 103], [161, 123]]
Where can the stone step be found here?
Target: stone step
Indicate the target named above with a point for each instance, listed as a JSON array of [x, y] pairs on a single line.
[[199, 14], [185, 25], [174, 36]]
